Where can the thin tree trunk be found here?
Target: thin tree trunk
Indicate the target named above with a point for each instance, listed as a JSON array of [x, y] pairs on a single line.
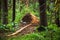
[[13, 15], [5, 11], [43, 16], [57, 21], [0, 11]]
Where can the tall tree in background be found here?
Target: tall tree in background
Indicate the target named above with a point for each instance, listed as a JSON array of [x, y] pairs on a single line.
[[57, 21], [43, 16], [5, 11], [13, 15], [0, 11]]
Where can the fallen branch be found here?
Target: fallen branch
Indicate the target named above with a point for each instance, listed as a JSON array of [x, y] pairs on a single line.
[[18, 31]]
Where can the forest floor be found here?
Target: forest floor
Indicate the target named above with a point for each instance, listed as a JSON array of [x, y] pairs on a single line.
[[23, 29], [30, 29]]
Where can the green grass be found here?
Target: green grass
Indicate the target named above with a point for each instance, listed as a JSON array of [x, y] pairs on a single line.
[[38, 36], [49, 34]]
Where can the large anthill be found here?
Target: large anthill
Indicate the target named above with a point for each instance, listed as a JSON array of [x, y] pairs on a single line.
[[30, 18]]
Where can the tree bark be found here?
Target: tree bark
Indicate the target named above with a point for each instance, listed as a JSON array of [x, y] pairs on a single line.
[[0, 11], [5, 11], [43, 16], [13, 15], [57, 21]]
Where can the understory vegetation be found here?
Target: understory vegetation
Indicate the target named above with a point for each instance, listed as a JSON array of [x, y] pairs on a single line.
[[51, 32]]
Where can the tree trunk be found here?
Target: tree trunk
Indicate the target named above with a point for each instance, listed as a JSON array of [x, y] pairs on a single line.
[[0, 11], [13, 15], [57, 21], [43, 16], [5, 11]]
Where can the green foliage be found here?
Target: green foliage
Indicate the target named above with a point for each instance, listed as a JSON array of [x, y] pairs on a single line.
[[2, 27], [33, 36], [52, 32], [9, 27]]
